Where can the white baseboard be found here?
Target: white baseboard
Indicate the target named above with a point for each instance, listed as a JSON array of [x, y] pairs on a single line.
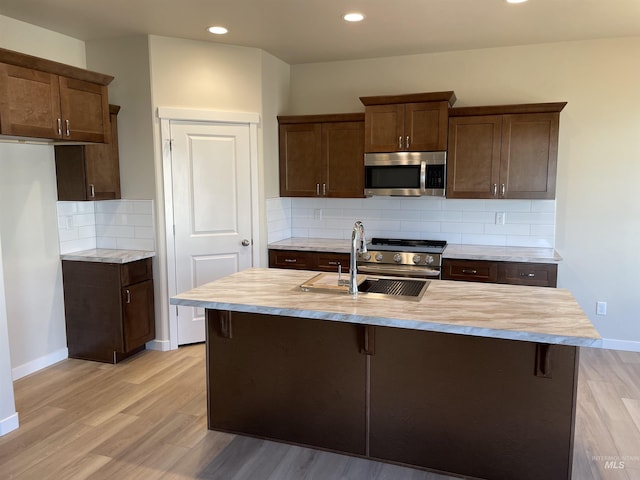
[[160, 345], [9, 424], [613, 344], [39, 363]]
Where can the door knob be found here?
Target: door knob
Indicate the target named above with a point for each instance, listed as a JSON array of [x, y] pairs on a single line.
[[246, 243]]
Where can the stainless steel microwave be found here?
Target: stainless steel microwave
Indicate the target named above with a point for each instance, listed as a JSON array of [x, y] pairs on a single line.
[[405, 174]]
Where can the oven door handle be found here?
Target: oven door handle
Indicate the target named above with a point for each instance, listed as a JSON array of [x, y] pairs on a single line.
[[404, 272]]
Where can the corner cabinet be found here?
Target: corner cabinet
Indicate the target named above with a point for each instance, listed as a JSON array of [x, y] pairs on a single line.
[[90, 172], [412, 122], [109, 309], [44, 99], [506, 151], [322, 155]]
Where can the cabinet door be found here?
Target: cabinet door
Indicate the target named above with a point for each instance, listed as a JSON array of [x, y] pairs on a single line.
[[300, 160], [343, 159], [29, 102], [85, 111], [473, 164], [470, 270], [425, 126], [384, 128], [523, 273], [529, 155], [471, 405], [138, 318], [103, 166], [287, 379]]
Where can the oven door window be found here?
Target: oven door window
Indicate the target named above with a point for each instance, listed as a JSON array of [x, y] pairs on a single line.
[[399, 176]]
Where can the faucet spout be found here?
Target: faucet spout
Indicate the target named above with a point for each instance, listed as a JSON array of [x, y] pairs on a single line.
[[356, 234]]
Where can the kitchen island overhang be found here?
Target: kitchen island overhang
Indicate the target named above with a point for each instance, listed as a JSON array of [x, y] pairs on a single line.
[[477, 380]]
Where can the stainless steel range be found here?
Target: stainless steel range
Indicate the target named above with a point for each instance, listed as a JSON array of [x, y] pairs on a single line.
[[402, 258]]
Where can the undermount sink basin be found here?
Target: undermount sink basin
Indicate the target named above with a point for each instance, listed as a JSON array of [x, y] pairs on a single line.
[[400, 288]]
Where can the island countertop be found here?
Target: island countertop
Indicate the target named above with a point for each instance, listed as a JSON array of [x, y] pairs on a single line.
[[536, 314]]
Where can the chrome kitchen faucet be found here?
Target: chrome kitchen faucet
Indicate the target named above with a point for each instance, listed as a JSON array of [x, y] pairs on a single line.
[[358, 231]]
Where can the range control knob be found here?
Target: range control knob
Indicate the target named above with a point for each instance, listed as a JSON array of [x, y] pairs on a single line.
[[378, 257], [416, 259], [397, 258], [429, 260], [366, 256]]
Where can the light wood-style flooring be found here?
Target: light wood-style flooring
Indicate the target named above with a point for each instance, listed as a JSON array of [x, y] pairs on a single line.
[[146, 419]]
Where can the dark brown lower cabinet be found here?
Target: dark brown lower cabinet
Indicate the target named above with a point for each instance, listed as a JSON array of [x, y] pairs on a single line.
[[513, 273], [109, 309], [300, 381], [472, 406]]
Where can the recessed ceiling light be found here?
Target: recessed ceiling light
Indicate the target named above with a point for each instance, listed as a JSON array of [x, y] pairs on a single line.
[[217, 30], [353, 17], [516, 1]]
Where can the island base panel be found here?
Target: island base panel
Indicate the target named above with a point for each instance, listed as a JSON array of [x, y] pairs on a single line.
[[300, 381], [471, 406]]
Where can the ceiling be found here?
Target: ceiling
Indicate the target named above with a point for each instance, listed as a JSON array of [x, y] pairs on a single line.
[[303, 31]]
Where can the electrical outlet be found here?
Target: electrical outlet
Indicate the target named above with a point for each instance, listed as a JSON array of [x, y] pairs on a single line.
[[601, 308], [69, 222], [500, 218], [317, 214]]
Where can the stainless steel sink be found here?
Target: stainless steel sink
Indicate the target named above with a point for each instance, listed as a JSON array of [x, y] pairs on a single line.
[[411, 289]]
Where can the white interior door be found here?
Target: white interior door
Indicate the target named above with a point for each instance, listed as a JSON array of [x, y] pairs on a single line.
[[211, 185]]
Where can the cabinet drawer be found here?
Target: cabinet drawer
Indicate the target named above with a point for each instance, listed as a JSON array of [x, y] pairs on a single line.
[[470, 270], [534, 274], [328, 262], [290, 259], [135, 272]]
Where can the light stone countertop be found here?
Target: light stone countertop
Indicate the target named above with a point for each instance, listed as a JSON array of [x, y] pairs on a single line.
[[105, 255], [467, 252], [536, 314]]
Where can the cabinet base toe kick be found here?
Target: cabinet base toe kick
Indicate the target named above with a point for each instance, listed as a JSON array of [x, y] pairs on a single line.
[[471, 406]]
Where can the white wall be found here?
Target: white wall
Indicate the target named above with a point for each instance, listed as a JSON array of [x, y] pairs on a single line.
[[8, 414], [598, 202], [33, 288]]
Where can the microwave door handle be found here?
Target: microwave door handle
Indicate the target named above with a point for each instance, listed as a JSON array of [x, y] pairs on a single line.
[[423, 176]]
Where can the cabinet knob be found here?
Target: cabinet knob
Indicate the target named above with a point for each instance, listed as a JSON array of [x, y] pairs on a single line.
[[127, 293], [60, 126], [317, 189], [66, 122], [400, 142], [407, 142], [470, 272], [92, 190], [324, 189], [495, 189], [503, 190]]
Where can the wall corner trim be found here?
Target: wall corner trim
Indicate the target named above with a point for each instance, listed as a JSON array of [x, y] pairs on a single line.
[[159, 345], [9, 424], [40, 363], [614, 344]]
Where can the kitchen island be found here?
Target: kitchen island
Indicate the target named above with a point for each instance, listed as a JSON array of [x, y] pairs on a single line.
[[474, 379]]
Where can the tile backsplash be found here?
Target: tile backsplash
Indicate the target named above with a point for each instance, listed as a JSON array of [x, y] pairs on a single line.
[[514, 223], [118, 224]]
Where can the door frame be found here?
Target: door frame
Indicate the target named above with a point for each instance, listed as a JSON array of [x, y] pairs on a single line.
[[213, 117]]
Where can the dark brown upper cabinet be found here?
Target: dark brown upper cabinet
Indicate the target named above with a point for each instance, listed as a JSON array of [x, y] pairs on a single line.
[[322, 155], [412, 122], [92, 171], [508, 151], [44, 99]]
